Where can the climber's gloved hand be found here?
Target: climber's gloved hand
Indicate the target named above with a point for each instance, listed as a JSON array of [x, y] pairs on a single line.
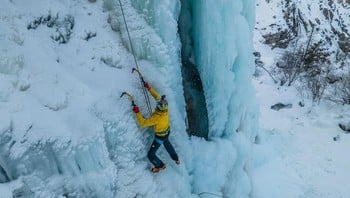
[[145, 84], [135, 109]]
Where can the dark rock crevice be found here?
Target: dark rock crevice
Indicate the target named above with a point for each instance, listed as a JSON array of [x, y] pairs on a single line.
[[196, 109]]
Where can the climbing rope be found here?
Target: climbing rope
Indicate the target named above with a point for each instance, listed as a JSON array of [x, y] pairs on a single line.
[[137, 65]]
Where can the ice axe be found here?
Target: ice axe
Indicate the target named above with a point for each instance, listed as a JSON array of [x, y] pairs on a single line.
[[139, 73], [130, 97], [143, 90]]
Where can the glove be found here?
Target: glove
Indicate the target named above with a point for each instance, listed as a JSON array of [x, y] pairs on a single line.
[[136, 109], [145, 84]]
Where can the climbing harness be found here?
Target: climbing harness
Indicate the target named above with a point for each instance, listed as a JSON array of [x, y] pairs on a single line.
[[137, 66]]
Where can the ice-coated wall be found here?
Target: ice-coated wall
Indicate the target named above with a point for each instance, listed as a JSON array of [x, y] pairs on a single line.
[[153, 31], [65, 132], [51, 142], [222, 32], [223, 54]]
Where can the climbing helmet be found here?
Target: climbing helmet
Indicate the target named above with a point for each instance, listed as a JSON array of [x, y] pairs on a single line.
[[162, 104]]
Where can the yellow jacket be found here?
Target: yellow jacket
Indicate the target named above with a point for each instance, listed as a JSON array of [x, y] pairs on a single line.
[[159, 120]]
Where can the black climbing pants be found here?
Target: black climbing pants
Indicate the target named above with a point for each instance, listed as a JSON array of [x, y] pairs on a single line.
[[155, 146]]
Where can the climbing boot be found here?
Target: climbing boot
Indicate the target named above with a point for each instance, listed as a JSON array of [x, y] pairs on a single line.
[[156, 170]]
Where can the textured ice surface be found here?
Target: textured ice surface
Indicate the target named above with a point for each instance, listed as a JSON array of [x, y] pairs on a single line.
[[64, 129]]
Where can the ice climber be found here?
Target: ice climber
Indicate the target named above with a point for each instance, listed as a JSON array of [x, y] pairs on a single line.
[[159, 120]]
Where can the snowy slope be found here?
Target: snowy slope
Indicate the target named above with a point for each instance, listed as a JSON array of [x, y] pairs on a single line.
[[301, 152]]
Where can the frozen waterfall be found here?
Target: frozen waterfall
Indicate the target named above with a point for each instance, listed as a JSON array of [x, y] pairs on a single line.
[[64, 131]]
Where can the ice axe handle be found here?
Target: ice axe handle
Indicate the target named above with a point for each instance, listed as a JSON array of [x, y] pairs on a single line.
[[130, 98]]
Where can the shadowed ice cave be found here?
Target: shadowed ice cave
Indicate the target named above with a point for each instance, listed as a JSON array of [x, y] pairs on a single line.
[[197, 115]]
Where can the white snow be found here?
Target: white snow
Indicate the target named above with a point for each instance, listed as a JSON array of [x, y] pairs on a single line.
[[301, 152], [297, 155], [65, 132]]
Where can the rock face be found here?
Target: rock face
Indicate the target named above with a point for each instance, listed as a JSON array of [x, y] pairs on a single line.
[[310, 43], [279, 39], [295, 21], [345, 127], [279, 106]]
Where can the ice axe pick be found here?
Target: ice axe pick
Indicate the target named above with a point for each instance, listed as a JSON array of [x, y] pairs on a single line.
[[130, 97]]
